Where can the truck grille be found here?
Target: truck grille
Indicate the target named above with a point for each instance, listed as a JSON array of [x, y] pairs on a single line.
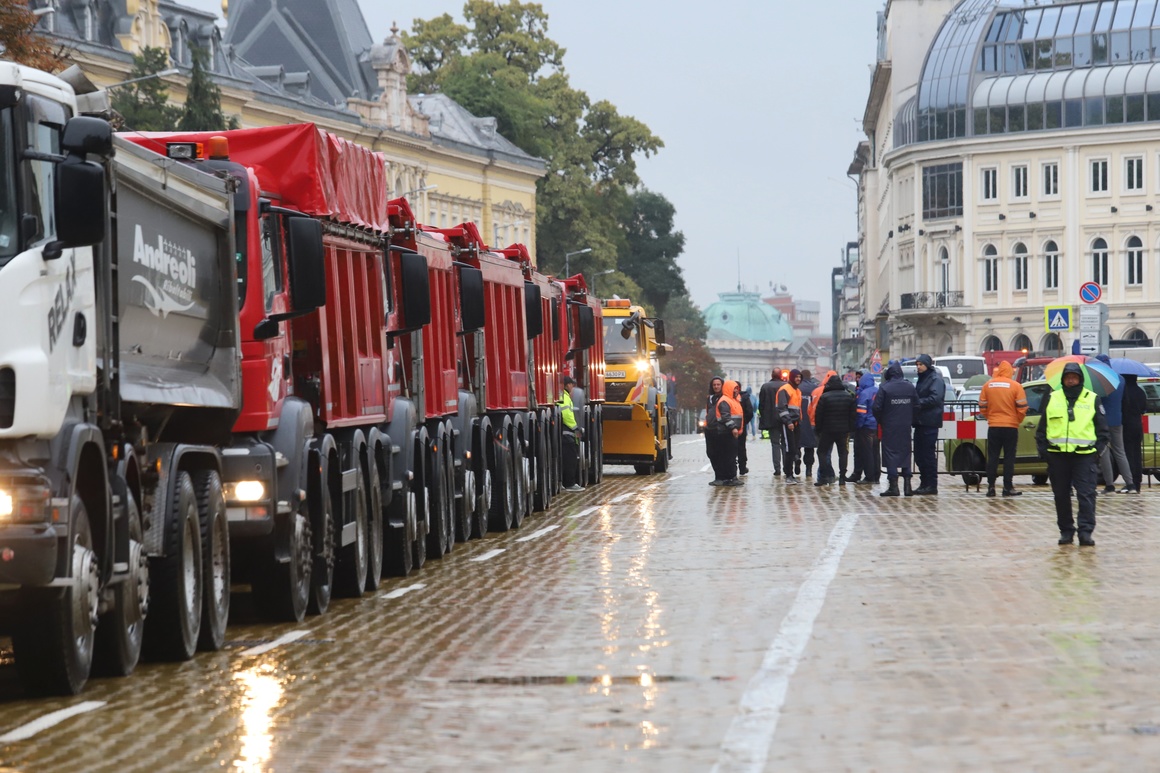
[[617, 393], [7, 397]]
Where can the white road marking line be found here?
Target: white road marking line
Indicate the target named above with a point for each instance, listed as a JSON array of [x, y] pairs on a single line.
[[489, 555], [397, 592], [537, 534], [622, 497], [261, 649], [583, 513], [706, 468], [663, 482], [675, 477], [690, 442], [746, 744], [24, 732]]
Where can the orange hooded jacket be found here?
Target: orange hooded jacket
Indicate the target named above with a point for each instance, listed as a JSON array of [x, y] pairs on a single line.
[[1002, 401], [813, 411], [736, 417]]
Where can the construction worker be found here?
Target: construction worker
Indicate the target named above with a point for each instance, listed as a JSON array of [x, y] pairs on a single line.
[[722, 428], [570, 445], [789, 414], [1072, 433], [1003, 404]]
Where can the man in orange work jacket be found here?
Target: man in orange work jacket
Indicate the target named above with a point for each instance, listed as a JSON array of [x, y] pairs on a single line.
[[1003, 403], [789, 413], [723, 425]]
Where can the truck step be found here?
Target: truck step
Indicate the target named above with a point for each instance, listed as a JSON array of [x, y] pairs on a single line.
[[283, 508], [396, 449], [349, 533], [396, 485], [349, 480], [280, 459]]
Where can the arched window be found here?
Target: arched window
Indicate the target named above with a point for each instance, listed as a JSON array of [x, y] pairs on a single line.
[[1020, 259], [1135, 261], [1052, 343], [1021, 343], [990, 269], [944, 263], [1100, 262], [1051, 266], [1136, 334], [992, 344]]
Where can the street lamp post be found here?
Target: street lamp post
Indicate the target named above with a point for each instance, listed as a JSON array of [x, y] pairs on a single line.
[[158, 74], [605, 272], [567, 255]]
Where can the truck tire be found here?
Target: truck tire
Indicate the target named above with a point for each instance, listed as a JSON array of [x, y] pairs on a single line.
[[662, 461], [399, 533], [174, 623], [482, 503], [598, 443], [520, 467], [437, 542], [503, 491], [350, 565], [282, 590], [215, 543], [543, 497], [322, 563], [643, 469], [121, 630], [55, 634], [449, 509], [374, 525], [422, 515]]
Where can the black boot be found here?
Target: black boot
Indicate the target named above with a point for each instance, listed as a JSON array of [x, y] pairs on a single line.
[[991, 489], [1011, 492], [891, 489], [906, 489]]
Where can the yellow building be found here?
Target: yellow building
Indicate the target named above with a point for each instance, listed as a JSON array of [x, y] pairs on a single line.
[[316, 61]]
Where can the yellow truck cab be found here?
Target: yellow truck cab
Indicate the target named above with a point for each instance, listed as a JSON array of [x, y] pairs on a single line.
[[635, 423]]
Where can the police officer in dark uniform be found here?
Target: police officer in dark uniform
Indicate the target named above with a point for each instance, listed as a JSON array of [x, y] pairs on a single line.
[[1071, 435], [894, 408]]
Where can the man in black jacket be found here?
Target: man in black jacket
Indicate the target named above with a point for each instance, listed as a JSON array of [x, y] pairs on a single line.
[[767, 420], [1133, 408], [747, 413], [928, 421], [834, 420]]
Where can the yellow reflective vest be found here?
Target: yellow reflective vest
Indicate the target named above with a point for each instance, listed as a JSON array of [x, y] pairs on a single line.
[[1071, 435], [567, 412]]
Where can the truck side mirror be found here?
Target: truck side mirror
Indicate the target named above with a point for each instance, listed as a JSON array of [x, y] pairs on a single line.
[[533, 314], [80, 192], [587, 326], [87, 135], [471, 299], [307, 260], [416, 289], [555, 319], [659, 330]]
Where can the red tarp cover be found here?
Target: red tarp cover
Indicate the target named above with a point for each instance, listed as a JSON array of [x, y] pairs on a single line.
[[313, 171]]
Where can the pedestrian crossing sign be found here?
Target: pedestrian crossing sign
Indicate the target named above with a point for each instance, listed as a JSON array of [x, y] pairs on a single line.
[[1057, 319]]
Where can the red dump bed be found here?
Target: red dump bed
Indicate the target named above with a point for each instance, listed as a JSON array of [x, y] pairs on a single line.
[[549, 347], [587, 367]]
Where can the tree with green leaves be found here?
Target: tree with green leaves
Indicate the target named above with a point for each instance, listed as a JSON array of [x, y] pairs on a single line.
[[144, 105], [651, 246], [203, 100], [21, 43]]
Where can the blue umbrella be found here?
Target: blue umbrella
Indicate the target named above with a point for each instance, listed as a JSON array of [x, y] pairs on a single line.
[[1126, 367]]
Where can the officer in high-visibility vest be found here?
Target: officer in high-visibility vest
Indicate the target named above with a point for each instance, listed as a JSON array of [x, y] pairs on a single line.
[[1072, 432], [570, 446]]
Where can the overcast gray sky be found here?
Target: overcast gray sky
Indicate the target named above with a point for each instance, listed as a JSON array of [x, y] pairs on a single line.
[[759, 103]]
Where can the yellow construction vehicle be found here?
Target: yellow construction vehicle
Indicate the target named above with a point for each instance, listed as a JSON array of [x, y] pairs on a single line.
[[635, 424]]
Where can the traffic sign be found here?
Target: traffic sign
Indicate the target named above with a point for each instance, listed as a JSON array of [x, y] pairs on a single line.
[[1093, 330], [1057, 319], [1090, 292]]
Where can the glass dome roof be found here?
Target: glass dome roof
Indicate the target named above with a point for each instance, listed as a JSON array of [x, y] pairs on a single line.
[[745, 317]]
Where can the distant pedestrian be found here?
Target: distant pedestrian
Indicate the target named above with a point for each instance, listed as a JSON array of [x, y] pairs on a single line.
[[1134, 407], [1072, 433], [570, 440], [867, 454], [747, 419], [723, 426], [750, 402], [789, 413], [767, 419], [835, 412], [894, 407], [928, 421], [1113, 409], [811, 390], [1003, 404]]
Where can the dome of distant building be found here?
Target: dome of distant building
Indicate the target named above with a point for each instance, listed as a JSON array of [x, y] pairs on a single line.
[[745, 317]]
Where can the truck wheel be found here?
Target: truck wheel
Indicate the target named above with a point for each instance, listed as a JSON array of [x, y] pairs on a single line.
[[282, 590], [503, 492], [55, 634], [642, 469], [520, 467], [350, 566], [662, 462], [598, 446], [543, 498], [468, 504], [322, 569], [174, 625], [422, 515], [399, 533], [449, 507], [482, 505], [374, 527], [121, 630], [215, 542], [437, 514]]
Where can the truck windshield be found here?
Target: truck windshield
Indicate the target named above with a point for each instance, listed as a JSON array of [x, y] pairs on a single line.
[[615, 343], [9, 238]]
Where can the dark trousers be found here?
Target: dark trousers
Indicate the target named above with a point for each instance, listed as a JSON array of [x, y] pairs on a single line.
[[789, 447], [826, 443], [807, 456], [742, 454], [896, 453], [924, 456], [1005, 440], [775, 443], [1134, 448], [570, 458], [722, 454], [1077, 471], [867, 455]]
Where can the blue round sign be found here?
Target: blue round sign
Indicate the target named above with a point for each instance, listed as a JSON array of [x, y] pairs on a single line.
[[876, 368], [1090, 292]]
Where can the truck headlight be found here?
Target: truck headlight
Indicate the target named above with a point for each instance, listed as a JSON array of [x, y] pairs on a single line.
[[6, 504], [245, 491], [24, 504], [642, 365]]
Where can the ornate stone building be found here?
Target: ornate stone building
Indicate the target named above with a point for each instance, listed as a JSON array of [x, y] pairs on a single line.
[[749, 338]]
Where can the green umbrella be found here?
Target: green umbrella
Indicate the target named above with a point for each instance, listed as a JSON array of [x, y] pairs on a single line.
[[974, 382]]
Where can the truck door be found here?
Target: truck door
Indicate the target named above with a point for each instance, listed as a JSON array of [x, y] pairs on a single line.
[[277, 348]]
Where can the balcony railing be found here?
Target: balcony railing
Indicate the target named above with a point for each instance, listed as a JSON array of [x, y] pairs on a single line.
[[945, 300]]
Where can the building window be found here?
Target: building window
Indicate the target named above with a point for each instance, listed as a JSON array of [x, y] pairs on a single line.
[[991, 184], [1135, 261], [942, 191], [1134, 174], [1099, 175], [1019, 182], [1051, 266], [990, 269], [1020, 258], [1051, 179], [1100, 262]]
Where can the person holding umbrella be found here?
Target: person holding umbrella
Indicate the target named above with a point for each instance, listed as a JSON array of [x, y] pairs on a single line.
[[1113, 407], [1133, 409], [1071, 434]]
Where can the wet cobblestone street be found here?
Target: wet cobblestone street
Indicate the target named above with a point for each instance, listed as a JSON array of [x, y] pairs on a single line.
[[656, 623]]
